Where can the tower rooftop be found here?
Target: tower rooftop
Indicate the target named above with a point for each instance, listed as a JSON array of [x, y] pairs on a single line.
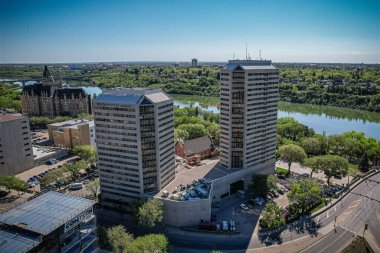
[[249, 64]]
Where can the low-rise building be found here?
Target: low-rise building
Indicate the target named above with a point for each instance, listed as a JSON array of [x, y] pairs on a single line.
[[196, 149], [70, 133], [16, 152], [52, 222]]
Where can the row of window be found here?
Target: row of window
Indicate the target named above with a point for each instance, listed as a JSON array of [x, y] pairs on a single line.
[[113, 166]]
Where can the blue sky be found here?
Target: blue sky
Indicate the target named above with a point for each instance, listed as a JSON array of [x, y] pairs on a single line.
[[48, 31]]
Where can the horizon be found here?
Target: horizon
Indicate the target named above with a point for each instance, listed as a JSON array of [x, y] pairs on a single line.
[[54, 32]]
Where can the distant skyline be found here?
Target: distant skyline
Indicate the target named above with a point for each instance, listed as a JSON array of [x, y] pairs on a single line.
[[42, 31]]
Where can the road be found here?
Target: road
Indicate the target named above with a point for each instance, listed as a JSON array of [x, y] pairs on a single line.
[[308, 235], [364, 208]]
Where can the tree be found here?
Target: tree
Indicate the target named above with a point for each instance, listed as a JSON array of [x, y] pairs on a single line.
[[315, 164], [272, 216], [180, 134], [74, 168], [291, 153], [152, 243], [19, 185], [272, 182], [352, 171], [93, 187], [151, 213], [312, 146], [54, 176], [194, 130], [334, 165], [304, 195], [119, 239], [13, 183], [261, 184], [85, 152]]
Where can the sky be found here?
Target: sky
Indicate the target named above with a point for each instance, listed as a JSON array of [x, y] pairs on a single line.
[[52, 31]]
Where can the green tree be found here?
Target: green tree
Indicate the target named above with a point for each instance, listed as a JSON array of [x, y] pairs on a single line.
[[315, 164], [180, 134], [13, 183], [85, 152], [291, 153], [152, 243], [73, 169], [272, 182], [119, 239], [93, 187], [271, 216], [312, 146], [151, 213], [334, 165], [304, 195], [54, 176], [194, 130], [261, 184]]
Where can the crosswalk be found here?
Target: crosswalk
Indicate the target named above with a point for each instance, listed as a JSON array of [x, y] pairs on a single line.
[[340, 218]]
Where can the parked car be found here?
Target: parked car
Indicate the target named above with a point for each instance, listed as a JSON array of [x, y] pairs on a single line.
[[259, 201], [275, 194], [244, 207], [225, 225], [232, 222], [76, 186], [250, 206]]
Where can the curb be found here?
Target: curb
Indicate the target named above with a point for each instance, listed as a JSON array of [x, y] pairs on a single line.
[[350, 188]]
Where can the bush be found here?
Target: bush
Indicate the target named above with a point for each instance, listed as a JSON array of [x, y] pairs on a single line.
[[281, 171]]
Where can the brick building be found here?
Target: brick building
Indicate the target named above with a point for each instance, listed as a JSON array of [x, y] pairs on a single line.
[[196, 149], [49, 98]]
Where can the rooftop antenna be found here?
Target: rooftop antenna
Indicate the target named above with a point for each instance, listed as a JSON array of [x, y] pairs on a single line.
[[246, 51], [233, 56], [260, 54]]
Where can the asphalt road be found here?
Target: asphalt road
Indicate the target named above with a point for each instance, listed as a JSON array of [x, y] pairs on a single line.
[[348, 215], [364, 208]]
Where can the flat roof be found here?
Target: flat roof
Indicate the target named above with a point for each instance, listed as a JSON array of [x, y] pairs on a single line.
[[12, 241], [72, 122], [46, 212], [209, 171], [132, 96], [10, 117], [249, 64]]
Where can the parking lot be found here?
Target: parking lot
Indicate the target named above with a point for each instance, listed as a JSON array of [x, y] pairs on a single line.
[[229, 209]]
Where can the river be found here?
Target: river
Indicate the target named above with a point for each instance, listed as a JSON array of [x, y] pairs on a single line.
[[332, 120]]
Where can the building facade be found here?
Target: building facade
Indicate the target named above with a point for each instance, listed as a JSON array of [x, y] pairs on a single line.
[[135, 143], [51, 222], [248, 109], [49, 98], [194, 63], [16, 152], [70, 133]]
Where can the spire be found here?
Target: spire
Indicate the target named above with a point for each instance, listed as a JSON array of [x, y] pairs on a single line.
[[46, 72]]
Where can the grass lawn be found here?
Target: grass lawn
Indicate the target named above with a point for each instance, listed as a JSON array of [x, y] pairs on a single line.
[[280, 170], [322, 204], [358, 245]]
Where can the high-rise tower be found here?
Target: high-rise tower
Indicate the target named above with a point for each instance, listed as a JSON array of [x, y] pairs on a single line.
[[135, 142], [248, 110]]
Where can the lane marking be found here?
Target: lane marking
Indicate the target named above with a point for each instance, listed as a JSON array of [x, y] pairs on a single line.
[[318, 219], [327, 214], [357, 200], [347, 213], [334, 208], [350, 207]]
